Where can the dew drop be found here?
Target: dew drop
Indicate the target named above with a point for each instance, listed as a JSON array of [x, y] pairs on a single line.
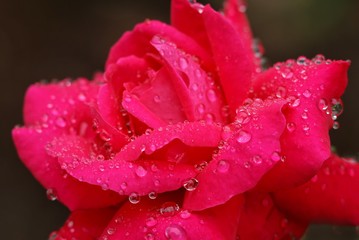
[[223, 166], [281, 92], [337, 108], [191, 184], [336, 125], [275, 156], [183, 63], [291, 126], [304, 115], [151, 221], [105, 136], [257, 159], [307, 93], [175, 232], [323, 104], [81, 97], [157, 99], [60, 122], [51, 194], [152, 195], [194, 87], [134, 198], [141, 171], [169, 209], [247, 165], [111, 231], [185, 214], [243, 137], [301, 60], [200, 108], [123, 186], [149, 236], [211, 95]]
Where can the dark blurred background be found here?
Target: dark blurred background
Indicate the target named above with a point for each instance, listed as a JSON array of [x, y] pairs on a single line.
[[42, 39]]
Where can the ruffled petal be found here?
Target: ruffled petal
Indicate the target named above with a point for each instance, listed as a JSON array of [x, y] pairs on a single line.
[[137, 42], [31, 144], [146, 174], [331, 196], [313, 89], [261, 219], [195, 89], [164, 219], [233, 59], [251, 147], [84, 224]]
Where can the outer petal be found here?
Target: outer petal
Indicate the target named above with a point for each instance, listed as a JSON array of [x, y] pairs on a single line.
[[331, 196], [145, 175], [84, 224], [137, 42], [261, 219], [251, 148], [50, 111], [309, 86], [74, 194], [163, 219], [232, 57]]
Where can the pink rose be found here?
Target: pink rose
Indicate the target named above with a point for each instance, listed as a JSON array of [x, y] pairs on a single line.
[[185, 136]]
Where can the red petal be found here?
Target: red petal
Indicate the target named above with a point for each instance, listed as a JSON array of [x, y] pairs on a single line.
[[232, 57], [145, 221], [260, 219], [251, 147], [331, 196], [31, 145], [306, 85], [137, 42], [200, 100], [84, 224], [143, 176], [234, 10]]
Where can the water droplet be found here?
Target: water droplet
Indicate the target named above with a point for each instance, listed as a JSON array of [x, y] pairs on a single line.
[[105, 136], [53, 235], [281, 92], [200, 108], [306, 127], [287, 73], [336, 125], [183, 63], [51, 194], [60, 122], [127, 98], [151, 221], [223, 166], [123, 186], [111, 231], [304, 115], [302, 60], [134, 198], [337, 107], [81, 97], [191, 184], [257, 159], [198, 7], [294, 102], [175, 232], [247, 165], [152, 195], [141, 171], [323, 104], [307, 93], [211, 95], [318, 59], [157, 99], [101, 167], [291, 126], [275, 156], [194, 87], [243, 137], [185, 214], [169, 209]]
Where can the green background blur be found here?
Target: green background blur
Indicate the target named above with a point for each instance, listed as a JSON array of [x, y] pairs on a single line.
[[56, 39]]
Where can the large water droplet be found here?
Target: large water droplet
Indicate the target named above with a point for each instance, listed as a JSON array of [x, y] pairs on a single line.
[[185, 214], [191, 184], [337, 107], [169, 209], [243, 137], [175, 232], [152, 195], [211, 95], [151, 221], [275, 156], [223, 166], [134, 198]]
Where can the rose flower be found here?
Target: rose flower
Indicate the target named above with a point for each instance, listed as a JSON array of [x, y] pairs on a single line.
[[186, 136]]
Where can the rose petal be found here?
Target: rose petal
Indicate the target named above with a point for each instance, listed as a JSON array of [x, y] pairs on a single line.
[[84, 224], [137, 42], [232, 57], [187, 18], [251, 147], [305, 85], [200, 100], [31, 143], [234, 10], [331, 196], [261, 219], [143, 176], [162, 219]]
